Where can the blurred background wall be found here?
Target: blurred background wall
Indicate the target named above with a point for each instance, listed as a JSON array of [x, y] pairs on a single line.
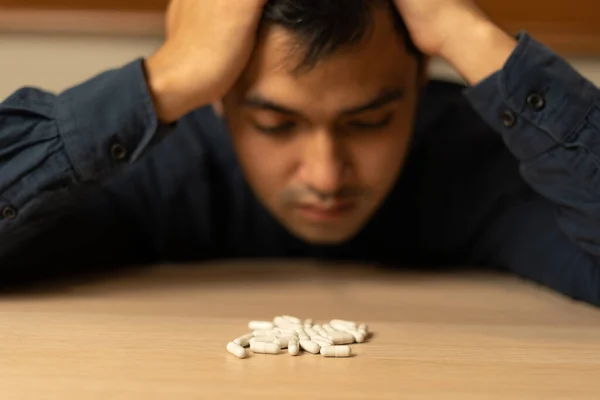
[[57, 61], [54, 44]]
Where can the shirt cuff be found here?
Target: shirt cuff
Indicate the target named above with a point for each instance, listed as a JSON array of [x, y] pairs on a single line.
[[536, 101], [108, 121]]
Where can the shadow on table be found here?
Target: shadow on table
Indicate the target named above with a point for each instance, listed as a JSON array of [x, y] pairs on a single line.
[[214, 273]]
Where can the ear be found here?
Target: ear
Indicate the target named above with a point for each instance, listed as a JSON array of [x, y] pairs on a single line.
[[218, 108]]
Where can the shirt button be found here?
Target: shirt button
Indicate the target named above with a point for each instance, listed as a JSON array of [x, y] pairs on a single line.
[[9, 212], [509, 119], [118, 152], [536, 101]]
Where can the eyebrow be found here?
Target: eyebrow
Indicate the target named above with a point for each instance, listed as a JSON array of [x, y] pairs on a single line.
[[261, 103], [384, 98]]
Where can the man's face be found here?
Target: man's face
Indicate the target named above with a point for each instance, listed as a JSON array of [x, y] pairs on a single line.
[[322, 147]]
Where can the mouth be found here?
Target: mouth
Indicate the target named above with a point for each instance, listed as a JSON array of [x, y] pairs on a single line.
[[319, 213]]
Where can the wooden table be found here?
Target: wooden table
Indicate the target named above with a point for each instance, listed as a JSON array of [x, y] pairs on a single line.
[[160, 333]]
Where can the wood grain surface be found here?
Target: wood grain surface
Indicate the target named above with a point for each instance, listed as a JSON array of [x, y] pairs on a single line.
[[161, 333]]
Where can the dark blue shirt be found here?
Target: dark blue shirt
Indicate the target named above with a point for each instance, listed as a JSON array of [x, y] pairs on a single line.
[[504, 174]]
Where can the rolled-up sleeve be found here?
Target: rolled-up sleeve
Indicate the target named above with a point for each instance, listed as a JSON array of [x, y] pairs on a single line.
[[537, 102], [548, 115]]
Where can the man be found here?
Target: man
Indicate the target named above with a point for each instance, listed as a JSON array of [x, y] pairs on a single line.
[[327, 143]]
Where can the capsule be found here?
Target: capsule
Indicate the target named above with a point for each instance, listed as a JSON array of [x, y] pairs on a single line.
[[311, 332], [321, 343], [302, 334], [254, 325], [292, 320], [266, 332], [341, 338], [320, 330], [349, 324], [284, 341], [308, 322], [329, 329], [358, 337], [236, 350], [364, 329], [265, 348], [244, 340], [293, 348], [341, 327], [287, 331], [336, 351], [322, 339], [282, 322], [262, 339], [310, 346]]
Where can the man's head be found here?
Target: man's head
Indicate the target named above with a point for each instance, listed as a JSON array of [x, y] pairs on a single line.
[[322, 116]]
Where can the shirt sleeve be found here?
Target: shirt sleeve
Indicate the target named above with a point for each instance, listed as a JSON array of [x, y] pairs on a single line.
[[548, 116], [52, 146]]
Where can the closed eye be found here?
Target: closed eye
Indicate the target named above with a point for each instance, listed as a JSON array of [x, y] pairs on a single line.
[[275, 129], [372, 125]]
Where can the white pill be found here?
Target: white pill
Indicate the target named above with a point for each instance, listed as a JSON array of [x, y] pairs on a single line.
[[341, 338], [293, 348], [236, 350], [310, 346], [262, 339], [308, 322], [244, 340], [329, 329], [321, 343], [320, 329], [311, 332], [265, 348], [292, 320], [287, 331], [253, 325], [302, 334], [340, 327], [322, 339], [281, 322], [284, 341], [364, 329], [349, 324], [358, 337], [336, 351], [266, 332]]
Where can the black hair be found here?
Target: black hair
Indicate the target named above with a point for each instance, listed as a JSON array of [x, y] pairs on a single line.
[[326, 26]]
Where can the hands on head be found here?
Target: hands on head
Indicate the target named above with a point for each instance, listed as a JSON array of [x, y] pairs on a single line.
[[209, 43], [320, 144], [460, 33]]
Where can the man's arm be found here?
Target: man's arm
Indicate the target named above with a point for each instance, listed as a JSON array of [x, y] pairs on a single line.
[[54, 147], [57, 151], [549, 118]]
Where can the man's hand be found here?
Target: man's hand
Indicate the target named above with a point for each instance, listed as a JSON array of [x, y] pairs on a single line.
[[208, 44], [459, 32]]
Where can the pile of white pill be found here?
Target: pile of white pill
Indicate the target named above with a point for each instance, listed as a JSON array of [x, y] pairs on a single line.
[[330, 339]]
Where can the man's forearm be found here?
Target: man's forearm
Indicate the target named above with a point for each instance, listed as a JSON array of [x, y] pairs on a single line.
[[477, 47]]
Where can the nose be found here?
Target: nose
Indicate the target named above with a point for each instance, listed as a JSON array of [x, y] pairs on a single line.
[[323, 166]]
